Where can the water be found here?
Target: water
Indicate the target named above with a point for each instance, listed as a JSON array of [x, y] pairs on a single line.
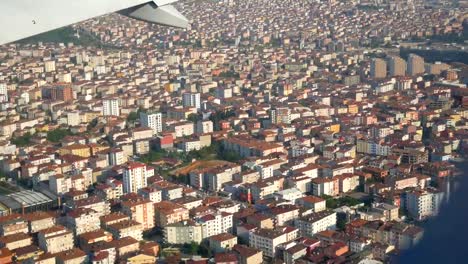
[[446, 236]]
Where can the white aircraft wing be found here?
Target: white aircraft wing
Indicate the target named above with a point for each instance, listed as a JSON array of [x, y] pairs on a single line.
[[24, 18]]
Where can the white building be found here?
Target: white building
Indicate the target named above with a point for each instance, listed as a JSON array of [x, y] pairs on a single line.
[[117, 157], [73, 118], [316, 222], [423, 204], [152, 120], [135, 176], [183, 232], [214, 224], [49, 66], [267, 240], [110, 107], [3, 92], [204, 127], [191, 100], [291, 194]]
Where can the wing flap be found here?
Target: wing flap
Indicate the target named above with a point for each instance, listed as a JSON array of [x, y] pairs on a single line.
[[163, 15]]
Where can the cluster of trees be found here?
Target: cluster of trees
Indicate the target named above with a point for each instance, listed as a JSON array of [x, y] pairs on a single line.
[[23, 140], [197, 249], [219, 116], [54, 136], [214, 152], [338, 202], [229, 74], [58, 134]]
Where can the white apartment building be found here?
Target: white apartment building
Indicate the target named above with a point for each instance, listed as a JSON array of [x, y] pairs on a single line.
[[182, 129], [183, 232], [190, 145], [264, 170], [324, 186], [191, 100], [204, 127], [110, 107], [291, 194], [82, 220], [213, 224], [49, 66], [55, 239], [316, 222], [135, 176], [117, 157], [423, 204], [152, 120], [267, 240], [3, 92]]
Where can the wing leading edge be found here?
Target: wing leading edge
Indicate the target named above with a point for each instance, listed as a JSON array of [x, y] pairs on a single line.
[[24, 18]]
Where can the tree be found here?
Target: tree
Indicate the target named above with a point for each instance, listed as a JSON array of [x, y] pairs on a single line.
[[92, 124], [192, 249], [132, 117], [341, 222], [22, 141], [58, 134], [193, 118]]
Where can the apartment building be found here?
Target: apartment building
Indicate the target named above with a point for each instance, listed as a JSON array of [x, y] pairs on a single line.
[[135, 176], [152, 120], [222, 242], [316, 222], [38, 221], [315, 203], [126, 228], [213, 178], [422, 204], [183, 232], [13, 224], [55, 239], [267, 240], [140, 210], [217, 223], [82, 220], [248, 255], [168, 213]]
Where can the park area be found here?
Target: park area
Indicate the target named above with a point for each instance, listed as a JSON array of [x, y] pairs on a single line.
[[199, 164]]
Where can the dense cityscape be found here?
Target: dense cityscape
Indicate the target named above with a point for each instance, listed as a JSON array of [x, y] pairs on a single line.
[[269, 131]]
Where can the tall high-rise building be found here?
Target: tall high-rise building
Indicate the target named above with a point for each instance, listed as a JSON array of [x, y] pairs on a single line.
[[378, 68], [110, 107], [191, 100], [397, 66], [3, 92], [135, 176], [151, 120], [415, 65]]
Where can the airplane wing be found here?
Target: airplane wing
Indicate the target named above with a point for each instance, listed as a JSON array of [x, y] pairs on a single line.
[[24, 18]]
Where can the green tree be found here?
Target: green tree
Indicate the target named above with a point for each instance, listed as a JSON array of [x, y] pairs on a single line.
[[192, 248], [22, 140], [58, 134], [132, 117], [193, 118]]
